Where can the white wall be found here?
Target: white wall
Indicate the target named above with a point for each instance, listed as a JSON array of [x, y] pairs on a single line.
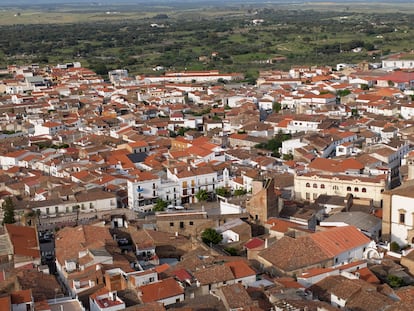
[[399, 230], [230, 236], [172, 300]]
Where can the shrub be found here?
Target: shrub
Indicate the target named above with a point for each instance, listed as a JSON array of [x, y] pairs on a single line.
[[394, 247]]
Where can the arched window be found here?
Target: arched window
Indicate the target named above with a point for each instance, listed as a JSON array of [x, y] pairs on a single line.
[[364, 190], [315, 186], [348, 188], [356, 189], [307, 185], [322, 186]]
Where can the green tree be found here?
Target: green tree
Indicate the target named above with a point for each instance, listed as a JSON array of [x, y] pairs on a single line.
[[202, 195], [238, 192], [8, 210], [395, 281], [224, 192], [342, 93], [277, 107], [231, 250], [210, 235], [160, 205], [395, 247]]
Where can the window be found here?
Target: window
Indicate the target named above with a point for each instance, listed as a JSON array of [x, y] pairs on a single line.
[[181, 224], [335, 187], [402, 218], [356, 189], [322, 186], [171, 224], [315, 186], [153, 186], [191, 223], [364, 190], [56, 209], [348, 188], [47, 210], [307, 196], [307, 185]]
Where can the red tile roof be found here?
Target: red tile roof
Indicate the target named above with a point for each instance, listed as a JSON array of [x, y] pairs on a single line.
[[160, 290], [182, 275], [330, 165], [340, 239], [254, 243], [24, 240], [21, 296], [5, 303], [240, 269], [280, 225]]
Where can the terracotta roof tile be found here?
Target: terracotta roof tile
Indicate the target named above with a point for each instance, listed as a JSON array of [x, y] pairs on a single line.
[[214, 274], [24, 240], [160, 290], [21, 296], [240, 269]]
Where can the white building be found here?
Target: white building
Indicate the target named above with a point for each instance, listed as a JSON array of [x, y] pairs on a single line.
[[407, 111], [396, 62], [398, 215], [105, 300], [309, 186], [48, 128], [288, 146], [143, 192]]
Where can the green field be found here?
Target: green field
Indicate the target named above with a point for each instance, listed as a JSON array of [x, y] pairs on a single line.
[[122, 37]]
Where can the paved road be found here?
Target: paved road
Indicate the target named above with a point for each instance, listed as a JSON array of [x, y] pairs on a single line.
[[70, 219]]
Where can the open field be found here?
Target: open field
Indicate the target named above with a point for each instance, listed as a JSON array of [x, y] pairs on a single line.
[[245, 37]]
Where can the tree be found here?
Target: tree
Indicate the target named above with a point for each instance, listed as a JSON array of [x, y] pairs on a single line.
[[8, 209], [342, 93], [160, 205], [211, 236], [224, 192], [238, 192], [394, 247], [395, 281], [38, 215], [277, 107], [202, 195]]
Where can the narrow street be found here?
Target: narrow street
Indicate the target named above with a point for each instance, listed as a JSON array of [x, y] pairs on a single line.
[[70, 219]]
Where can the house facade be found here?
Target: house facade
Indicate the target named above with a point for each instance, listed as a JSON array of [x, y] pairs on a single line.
[[309, 186]]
